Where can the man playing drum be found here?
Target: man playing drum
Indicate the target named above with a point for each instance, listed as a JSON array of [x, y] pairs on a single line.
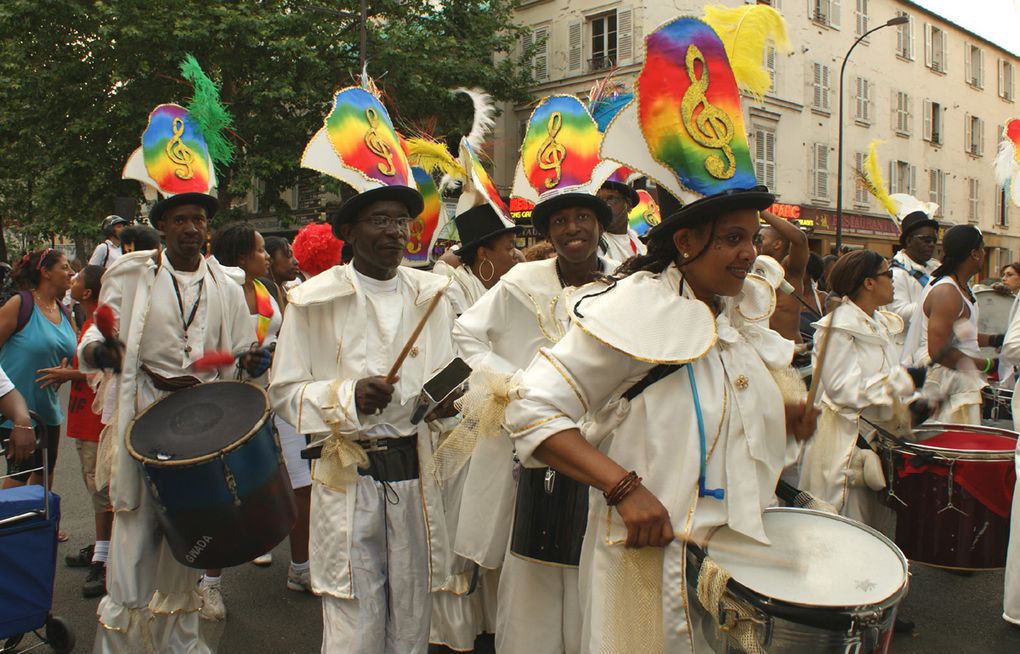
[[378, 541], [173, 306]]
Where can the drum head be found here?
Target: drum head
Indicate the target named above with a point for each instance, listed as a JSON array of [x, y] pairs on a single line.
[[993, 311], [198, 421], [815, 559]]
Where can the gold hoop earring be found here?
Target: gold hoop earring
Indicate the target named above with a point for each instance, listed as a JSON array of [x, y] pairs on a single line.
[[492, 270]]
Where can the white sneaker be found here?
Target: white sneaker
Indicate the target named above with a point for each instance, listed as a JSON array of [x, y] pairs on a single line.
[[300, 581], [264, 560], [213, 607]]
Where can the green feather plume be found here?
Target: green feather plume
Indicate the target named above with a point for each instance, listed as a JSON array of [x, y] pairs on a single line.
[[212, 118], [745, 31]]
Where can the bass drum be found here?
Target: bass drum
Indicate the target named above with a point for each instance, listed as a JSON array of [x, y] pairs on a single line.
[[826, 584], [952, 491], [549, 518], [213, 463]]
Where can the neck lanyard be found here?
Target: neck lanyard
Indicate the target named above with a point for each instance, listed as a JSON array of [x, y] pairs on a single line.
[[717, 493], [186, 322]]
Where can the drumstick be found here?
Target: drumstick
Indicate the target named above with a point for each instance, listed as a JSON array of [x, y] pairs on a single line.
[[392, 375], [823, 348]]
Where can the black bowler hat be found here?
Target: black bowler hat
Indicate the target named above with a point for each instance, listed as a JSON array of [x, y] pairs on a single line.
[[208, 202], [626, 190], [547, 207], [479, 224], [913, 222], [406, 195]]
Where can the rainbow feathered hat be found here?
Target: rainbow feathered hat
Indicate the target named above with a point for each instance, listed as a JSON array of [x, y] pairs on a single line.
[[359, 146], [175, 162], [560, 165], [1007, 161], [684, 128]]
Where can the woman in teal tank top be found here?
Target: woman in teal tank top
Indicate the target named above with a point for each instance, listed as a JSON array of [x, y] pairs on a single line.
[[46, 340]]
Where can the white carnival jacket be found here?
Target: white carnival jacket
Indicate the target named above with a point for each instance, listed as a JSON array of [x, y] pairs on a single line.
[[320, 356], [861, 377], [617, 338], [526, 310], [465, 290]]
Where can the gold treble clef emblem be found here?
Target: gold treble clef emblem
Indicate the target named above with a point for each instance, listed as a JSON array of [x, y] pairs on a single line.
[[552, 154], [712, 127], [179, 154], [417, 229], [376, 145]]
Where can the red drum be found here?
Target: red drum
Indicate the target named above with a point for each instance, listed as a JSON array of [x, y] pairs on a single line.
[[952, 490]]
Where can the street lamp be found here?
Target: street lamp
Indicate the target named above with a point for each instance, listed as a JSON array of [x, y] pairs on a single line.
[[898, 20]]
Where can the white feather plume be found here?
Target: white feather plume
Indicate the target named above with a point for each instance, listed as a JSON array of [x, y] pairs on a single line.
[[1006, 165], [485, 116]]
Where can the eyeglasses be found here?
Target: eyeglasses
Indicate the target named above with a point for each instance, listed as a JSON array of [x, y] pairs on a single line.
[[402, 223]]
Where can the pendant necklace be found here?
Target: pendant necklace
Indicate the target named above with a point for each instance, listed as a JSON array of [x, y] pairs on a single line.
[[186, 322]]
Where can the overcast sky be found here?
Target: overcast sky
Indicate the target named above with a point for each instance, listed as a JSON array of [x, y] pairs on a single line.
[[996, 20]]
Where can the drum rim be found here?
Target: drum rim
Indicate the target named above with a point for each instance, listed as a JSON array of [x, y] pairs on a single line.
[[762, 601], [954, 454], [144, 460]]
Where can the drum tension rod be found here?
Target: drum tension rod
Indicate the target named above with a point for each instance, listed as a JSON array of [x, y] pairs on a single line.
[[949, 485]]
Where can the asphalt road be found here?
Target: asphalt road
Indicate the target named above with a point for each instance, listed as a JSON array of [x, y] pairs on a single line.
[[954, 614]]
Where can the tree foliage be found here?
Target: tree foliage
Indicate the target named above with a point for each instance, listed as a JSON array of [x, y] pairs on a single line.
[[77, 80]]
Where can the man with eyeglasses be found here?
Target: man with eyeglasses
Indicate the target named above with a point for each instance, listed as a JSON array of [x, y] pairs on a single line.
[[619, 242], [377, 541], [913, 265]]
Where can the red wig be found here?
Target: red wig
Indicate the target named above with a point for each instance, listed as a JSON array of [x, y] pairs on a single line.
[[316, 249]]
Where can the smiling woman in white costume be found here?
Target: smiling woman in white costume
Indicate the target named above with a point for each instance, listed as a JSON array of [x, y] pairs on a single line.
[[670, 416]]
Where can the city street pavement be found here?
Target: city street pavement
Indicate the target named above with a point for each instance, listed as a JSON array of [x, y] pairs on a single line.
[[954, 614]]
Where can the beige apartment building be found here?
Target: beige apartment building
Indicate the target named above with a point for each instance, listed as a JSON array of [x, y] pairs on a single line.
[[937, 95]]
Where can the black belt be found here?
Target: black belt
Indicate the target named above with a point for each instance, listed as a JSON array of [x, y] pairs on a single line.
[[391, 459]]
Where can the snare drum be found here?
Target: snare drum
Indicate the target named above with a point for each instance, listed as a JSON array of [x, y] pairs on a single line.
[[952, 490], [213, 463], [550, 517], [839, 593], [996, 403]]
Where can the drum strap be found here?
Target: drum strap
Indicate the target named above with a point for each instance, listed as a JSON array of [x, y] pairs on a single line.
[[657, 373], [737, 620], [921, 277]]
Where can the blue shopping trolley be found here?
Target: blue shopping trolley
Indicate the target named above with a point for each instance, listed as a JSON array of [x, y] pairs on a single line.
[[28, 559]]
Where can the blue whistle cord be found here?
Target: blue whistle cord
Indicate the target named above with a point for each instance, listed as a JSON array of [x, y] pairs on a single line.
[[717, 493]]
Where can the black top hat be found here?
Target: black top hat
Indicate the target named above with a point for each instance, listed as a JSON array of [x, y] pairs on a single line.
[[626, 190], [705, 209], [479, 224], [914, 221], [348, 212], [210, 204]]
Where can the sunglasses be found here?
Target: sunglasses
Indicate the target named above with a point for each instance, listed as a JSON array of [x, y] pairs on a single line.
[[884, 273]]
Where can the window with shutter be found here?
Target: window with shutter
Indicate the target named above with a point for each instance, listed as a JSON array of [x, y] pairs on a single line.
[[604, 42], [820, 87], [1001, 207], [770, 66], [1005, 80], [973, 200], [625, 36], [574, 48], [901, 115], [975, 66], [541, 60], [862, 100], [905, 37], [861, 17], [937, 189], [765, 157], [861, 195], [934, 48], [821, 171]]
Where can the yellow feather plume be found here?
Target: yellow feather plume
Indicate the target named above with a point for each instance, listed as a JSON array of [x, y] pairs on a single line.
[[432, 156], [871, 179], [745, 32]]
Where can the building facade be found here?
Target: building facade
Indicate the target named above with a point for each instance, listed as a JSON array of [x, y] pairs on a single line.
[[936, 94]]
